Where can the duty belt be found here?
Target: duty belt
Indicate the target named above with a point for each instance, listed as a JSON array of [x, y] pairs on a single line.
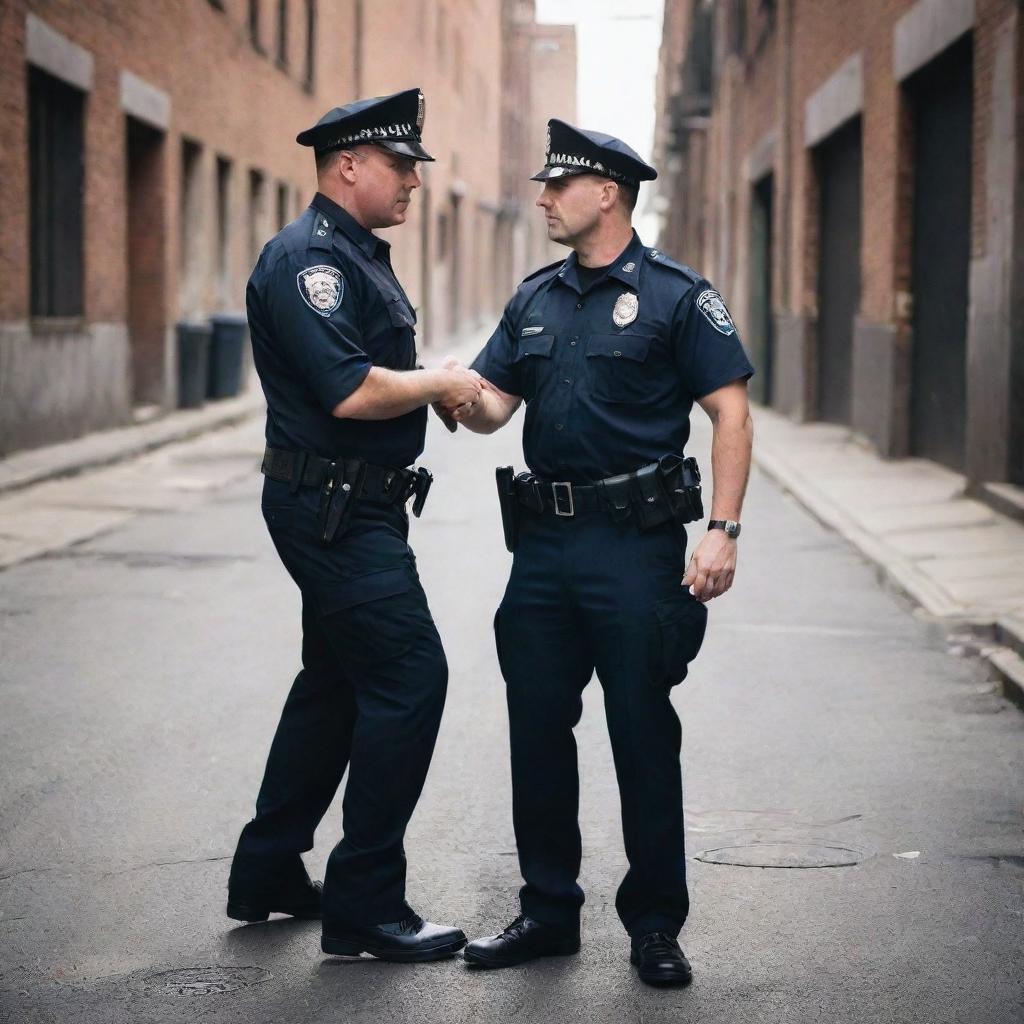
[[384, 485], [562, 498]]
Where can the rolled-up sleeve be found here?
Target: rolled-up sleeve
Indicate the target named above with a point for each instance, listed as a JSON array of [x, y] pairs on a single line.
[[312, 306]]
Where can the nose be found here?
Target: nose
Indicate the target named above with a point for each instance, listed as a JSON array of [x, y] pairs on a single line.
[[415, 180], [544, 199]]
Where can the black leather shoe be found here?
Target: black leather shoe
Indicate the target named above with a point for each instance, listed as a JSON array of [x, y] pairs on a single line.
[[659, 960], [250, 902], [524, 939], [411, 940]]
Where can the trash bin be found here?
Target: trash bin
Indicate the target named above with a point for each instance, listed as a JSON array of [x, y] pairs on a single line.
[[227, 349], [193, 363]]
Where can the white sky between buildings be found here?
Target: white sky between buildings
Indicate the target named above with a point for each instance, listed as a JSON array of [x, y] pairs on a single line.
[[617, 45]]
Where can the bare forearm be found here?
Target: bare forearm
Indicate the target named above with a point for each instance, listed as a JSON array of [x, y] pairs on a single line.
[[731, 445], [385, 394], [491, 412]]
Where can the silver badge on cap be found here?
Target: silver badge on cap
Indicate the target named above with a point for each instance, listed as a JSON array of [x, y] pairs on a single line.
[[321, 288], [627, 305]]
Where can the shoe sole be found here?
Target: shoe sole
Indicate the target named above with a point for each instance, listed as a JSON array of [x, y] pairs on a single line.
[[481, 960], [251, 914], [346, 947], [661, 980]]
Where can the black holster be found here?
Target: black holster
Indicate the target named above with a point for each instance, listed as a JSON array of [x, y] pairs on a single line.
[[682, 480], [342, 486], [505, 478]]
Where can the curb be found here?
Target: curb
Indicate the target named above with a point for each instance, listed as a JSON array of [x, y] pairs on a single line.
[[106, 447], [1004, 650]]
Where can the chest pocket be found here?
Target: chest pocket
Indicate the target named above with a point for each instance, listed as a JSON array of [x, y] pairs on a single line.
[[404, 324], [532, 361], [618, 368]]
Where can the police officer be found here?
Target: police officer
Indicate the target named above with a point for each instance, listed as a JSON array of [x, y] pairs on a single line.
[[609, 349], [334, 344]]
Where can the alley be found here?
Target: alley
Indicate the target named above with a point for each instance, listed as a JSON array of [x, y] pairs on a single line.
[[142, 672]]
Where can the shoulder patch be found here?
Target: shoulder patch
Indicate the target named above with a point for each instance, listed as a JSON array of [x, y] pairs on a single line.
[[321, 288], [658, 257], [712, 305]]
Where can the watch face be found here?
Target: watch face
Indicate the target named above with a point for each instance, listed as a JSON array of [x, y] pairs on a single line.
[[732, 528]]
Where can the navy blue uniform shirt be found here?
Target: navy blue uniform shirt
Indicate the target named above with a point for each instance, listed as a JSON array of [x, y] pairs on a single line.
[[324, 306], [610, 373]]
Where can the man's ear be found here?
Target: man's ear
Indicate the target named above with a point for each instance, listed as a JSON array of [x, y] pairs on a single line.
[[609, 195], [346, 165]]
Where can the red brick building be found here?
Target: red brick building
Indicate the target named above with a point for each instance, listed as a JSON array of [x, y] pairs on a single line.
[[148, 152], [849, 173]]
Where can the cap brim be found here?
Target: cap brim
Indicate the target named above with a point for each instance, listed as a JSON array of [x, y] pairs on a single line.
[[560, 172], [409, 148]]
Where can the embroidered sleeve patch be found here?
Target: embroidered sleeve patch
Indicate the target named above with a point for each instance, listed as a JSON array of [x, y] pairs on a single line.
[[321, 288], [711, 304]]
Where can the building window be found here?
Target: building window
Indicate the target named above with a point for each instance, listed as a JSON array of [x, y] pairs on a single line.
[[56, 173], [223, 226], [282, 33], [282, 204], [190, 223], [254, 25], [442, 235], [310, 72], [257, 211]]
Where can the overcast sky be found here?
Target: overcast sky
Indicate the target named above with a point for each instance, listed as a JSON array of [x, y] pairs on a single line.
[[617, 45]]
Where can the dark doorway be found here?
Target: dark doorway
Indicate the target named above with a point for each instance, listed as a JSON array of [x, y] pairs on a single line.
[[760, 340], [456, 265], [940, 98], [839, 162], [146, 271]]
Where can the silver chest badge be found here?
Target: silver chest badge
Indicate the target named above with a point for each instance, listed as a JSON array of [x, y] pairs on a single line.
[[627, 305]]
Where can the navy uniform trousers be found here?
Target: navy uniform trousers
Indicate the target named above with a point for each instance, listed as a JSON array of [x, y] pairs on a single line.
[[369, 698], [586, 594]]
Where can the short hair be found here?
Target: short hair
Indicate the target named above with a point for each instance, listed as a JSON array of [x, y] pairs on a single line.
[[629, 195], [326, 160]]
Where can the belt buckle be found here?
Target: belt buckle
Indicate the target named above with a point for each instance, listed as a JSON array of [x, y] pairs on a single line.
[[568, 495]]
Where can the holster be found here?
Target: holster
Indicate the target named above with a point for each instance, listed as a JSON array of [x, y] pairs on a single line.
[[343, 483], [507, 500], [421, 488], [682, 482]]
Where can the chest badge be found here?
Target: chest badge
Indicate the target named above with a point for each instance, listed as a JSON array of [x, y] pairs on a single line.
[[627, 305], [321, 288]]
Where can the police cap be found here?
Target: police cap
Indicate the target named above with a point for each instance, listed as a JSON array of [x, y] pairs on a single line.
[[573, 150], [394, 122]]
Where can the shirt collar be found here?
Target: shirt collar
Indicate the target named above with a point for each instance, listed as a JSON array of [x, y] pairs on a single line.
[[625, 267], [341, 218]]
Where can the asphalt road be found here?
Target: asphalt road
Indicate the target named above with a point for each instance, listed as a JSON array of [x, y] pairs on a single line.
[[142, 672]]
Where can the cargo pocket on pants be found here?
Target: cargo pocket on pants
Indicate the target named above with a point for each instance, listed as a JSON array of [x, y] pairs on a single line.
[[372, 618], [497, 642], [681, 624]]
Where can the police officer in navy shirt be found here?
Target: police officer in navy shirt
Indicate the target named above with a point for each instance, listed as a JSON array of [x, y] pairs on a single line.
[[609, 349], [333, 337]]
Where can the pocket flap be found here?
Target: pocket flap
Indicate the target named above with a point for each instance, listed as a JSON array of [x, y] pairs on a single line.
[[400, 314], [538, 345], [619, 346], [341, 594]]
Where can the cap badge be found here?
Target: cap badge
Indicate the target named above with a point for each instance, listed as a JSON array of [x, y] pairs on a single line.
[[321, 288], [711, 304], [627, 305], [421, 112]]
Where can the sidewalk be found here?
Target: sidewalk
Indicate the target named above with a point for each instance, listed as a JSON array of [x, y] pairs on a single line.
[[957, 558], [962, 562]]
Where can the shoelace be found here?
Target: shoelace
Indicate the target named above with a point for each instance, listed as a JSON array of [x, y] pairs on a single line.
[[515, 927], [660, 944], [413, 923]]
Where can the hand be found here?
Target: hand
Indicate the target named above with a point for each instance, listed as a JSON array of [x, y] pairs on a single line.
[[712, 566], [444, 417], [461, 387]]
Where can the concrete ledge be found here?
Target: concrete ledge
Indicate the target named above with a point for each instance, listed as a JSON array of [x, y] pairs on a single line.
[[836, 102], [926, 30], [105, 447], [55, 54], [145, 102]]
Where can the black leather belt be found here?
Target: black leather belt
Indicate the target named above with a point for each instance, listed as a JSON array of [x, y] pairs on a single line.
[[564, 499], [382, 484]]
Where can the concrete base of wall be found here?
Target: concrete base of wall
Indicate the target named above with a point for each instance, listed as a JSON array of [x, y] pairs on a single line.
[[61, 382], [793, 379], [878, 376]]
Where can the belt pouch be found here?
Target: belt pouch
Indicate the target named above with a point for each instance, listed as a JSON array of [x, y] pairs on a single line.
[[682, 481], [509, 504], [653, 506], [616, 490], [341, 488]]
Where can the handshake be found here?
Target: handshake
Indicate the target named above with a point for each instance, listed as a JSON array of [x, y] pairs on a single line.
[[461, 390]]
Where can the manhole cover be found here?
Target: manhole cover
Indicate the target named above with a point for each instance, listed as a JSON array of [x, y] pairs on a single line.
[[782, 855], [206, 981]]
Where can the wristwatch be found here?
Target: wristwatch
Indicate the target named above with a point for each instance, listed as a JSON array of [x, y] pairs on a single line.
[[731, 527]]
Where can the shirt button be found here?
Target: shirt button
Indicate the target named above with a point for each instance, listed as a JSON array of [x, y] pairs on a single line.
[[579, 305], [558, 426], [567, 381], [616, 353]]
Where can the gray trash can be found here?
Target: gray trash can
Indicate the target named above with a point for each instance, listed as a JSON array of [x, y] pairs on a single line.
[[193, 363], [227, 350]]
